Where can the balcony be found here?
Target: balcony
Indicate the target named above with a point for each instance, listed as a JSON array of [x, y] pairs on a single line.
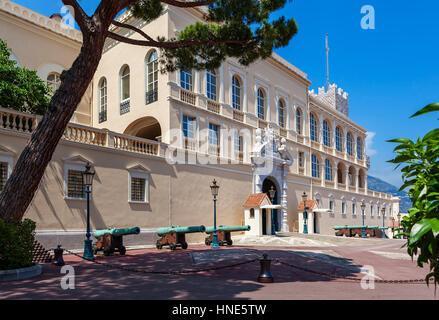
[[339, 154], [188, 96], [190, 144], [315, 144], [125, 107], [300, 139], [238, 115], [151, 96], [213, 106], [214, 150], [262, 124], [341, 186], [239, 155], [283, 132], [302, 170], [328, 149]]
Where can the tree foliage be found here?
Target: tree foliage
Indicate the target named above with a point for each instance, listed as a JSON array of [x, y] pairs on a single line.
[[420, 167], [234, 28], [20, 89]]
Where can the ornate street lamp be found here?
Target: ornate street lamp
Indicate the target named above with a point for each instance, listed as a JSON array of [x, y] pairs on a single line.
[[363, 206], [399, 224], [305, 214], [383, 211], [87, 180], [272, 194], [214, 188]]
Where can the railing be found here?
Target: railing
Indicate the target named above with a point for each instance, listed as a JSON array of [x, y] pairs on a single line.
[[339, 153], [213, 106], [315, 144], [188, 96], [283, 132], [262, 124], [352, 189], [239, 155], [300, 139], [329, 184], [214, 150], [151, 96], [134, 144], [18, 121], [83, 134], [341, 186], [190, 144], [327, 149], [301, 170], [238, 115], [125, 107]]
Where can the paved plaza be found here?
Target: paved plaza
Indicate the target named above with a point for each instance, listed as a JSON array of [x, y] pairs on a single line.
[[300, 271]]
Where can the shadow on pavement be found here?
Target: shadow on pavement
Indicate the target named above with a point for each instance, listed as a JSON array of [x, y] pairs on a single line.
[[93, 281]]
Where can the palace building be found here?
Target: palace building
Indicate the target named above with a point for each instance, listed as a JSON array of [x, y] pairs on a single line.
[[157, 140]]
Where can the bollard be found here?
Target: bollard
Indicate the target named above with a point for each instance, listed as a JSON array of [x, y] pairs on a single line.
[[265, 276], [59, 261]]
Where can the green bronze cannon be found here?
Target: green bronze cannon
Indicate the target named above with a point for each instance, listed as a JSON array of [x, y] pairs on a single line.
[[176, 236], [111, 240], [224, 234]]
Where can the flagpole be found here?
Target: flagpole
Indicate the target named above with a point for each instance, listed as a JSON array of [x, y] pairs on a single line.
[[327, 62]]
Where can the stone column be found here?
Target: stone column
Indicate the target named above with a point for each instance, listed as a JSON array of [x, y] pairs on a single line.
[[284, 200]]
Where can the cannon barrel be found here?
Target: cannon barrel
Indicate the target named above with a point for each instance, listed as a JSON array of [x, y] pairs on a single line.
[[228, 228], [163, 231], [116, 232]]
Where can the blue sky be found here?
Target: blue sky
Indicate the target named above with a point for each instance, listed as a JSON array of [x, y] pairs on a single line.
[[389, 72]]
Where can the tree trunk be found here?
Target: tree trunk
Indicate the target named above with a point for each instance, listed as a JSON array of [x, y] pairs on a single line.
[[29, 170]]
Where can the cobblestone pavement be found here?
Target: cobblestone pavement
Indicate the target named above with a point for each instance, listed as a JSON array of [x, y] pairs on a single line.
[[312, 259]]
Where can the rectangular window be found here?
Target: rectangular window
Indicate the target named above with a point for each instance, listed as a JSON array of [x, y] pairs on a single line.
[[301, 160], [354, 208], [75, 185], [3, 174], [343, 207], [189, 127], [213, 139], [239, 147], [371, 211], [138, 189], [331, 205]]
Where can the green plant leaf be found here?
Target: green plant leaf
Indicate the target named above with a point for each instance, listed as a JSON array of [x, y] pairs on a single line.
[[418, 230], [430, 108]]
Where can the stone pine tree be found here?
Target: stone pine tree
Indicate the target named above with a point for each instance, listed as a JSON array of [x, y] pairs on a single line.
[[242, 29]]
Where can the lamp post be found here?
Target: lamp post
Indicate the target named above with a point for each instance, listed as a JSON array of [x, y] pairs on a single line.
[[305, 214], [272, 194], [214, 188], [363, 232], [399, 223], [393, 227], [87, 180], [383, 211]]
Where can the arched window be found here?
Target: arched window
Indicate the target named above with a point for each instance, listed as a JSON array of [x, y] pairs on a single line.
[[299, 121], [359, 148], [315, 166], [261, 104], [314, 128], [211, 81], [125, 83], [152, 80], [328, 170], [53, 81], [236, 93], [349, 144], [326, 134], [282, 113], [102, 100], [186, 79], [338, 139]]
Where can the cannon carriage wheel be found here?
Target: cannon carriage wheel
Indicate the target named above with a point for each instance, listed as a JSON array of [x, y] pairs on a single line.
[[108, 251], [184, 245], [230, 242], [159, 244], [173, 246], [122, 250]]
